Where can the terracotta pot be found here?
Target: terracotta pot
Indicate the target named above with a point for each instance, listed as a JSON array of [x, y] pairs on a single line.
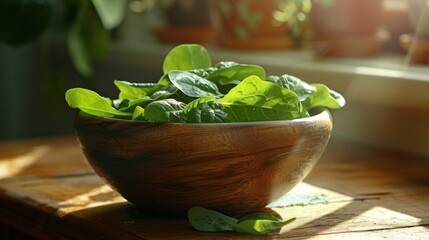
[[342, 25], [346, 17], [249, 24], [396, 20], [417, 43], [187, 21]]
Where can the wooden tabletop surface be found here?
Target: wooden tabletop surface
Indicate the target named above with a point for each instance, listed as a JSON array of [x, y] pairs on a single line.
[[48, 191]]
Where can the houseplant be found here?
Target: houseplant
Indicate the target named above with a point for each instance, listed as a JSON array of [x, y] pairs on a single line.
[[249, 24], [417, 43], [347, 27], [186, 21]]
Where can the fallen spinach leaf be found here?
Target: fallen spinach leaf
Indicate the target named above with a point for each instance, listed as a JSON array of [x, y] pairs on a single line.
[[260, 226], [207, 220]]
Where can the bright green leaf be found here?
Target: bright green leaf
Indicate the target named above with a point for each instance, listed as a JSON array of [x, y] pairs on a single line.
[[135, 90], [92, 103], [324, 97], [260, 226], [187, 57], [257, 100]]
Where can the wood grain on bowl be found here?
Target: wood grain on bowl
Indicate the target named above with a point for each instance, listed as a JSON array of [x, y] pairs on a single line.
[[235, 168]]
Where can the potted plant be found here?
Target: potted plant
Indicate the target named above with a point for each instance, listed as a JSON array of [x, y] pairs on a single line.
[[347, 27], [251, 24], [186, 21], [417, 43]]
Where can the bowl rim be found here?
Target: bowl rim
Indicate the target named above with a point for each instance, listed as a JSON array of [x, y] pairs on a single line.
[[321, 114]]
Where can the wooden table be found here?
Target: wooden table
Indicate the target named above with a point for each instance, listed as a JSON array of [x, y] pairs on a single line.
[[47, 190]]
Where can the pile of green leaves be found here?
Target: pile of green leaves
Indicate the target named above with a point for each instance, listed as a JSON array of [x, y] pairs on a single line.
[[192, 90], [206, 220]]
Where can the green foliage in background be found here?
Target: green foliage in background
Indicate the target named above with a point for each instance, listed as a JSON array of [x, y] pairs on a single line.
[[89, 22]]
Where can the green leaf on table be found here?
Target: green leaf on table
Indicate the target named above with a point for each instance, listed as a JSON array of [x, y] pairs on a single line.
[[187, 57], [92, 103], [257, 100], [204, 110], [261, 226], [192, 85], [207, 220], [324, 97], [166, 110]]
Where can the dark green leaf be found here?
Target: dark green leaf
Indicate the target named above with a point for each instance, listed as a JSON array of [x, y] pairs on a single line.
[[234, 73], [204, 110], [167, 110], [208, 220], [301, 88], [162, 93], [257, 100], [187, 57], [192, 85]]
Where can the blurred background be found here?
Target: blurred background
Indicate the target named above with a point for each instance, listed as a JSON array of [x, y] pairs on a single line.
[[374, 52]]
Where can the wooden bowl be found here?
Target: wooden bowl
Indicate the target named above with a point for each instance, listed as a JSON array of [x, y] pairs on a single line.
[[235, 168]]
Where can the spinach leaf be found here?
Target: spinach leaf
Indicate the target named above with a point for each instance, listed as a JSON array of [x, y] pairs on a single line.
[[257, 100], [234, 73], [207, 220], [187, 57], [163, 92], [135, 90], [91, 103], [138, 114], [260, 226], [301, 88], [204, 110], [324, 97], [192, 85], [167, 110], [259, 216]]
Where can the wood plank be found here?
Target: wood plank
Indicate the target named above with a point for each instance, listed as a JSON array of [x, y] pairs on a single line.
[[369, 194], [42, 157]]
